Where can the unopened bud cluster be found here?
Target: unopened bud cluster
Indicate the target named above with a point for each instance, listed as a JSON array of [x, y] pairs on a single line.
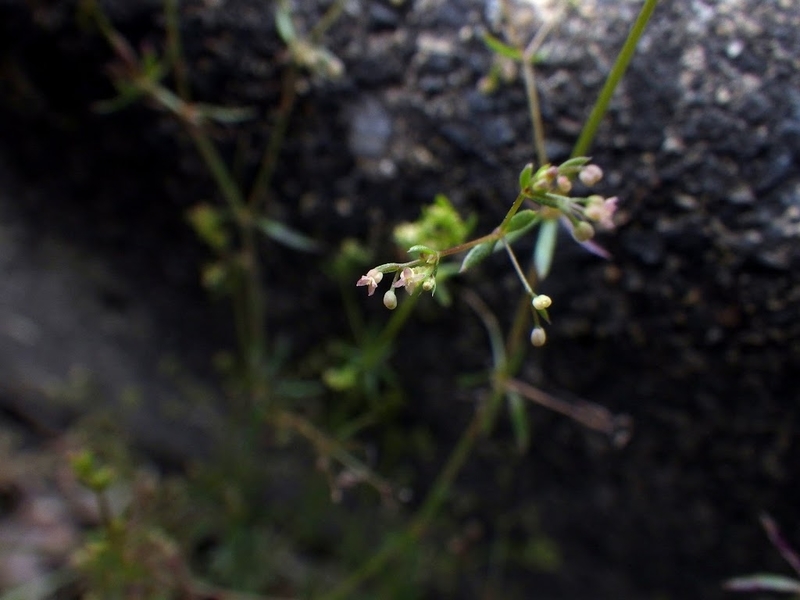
[[551, 185]]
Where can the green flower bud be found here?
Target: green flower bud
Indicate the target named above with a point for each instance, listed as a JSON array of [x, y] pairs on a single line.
[[583, 232]]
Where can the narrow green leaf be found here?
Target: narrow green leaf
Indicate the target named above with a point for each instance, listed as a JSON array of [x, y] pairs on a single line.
[[519, 421], [525, 177], [545, 248], [222, 114], [515, 235], [421, 249], [128, 95], [501, 48], [443, 295], [577, 162], [283, 22], [152, 67], [763, 582], [490, 411], [521, 220], [476, 255], [541, 171], [342, 378], [287, 236], [297, 389], [208, 223]]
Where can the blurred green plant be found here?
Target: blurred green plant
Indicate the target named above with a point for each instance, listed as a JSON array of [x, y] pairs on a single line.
[[129, 557], [124, 558]]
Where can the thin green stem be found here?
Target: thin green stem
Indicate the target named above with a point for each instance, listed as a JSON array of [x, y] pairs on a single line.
[[269, 160], [329, 18], [518, 269], [515, 344], [500, 372], [492, 326], [399, 317], [433, 502], [617, 71], [511, 212], [256, 304], [328, 446], [175, 49], [222, 176], [489, 237], [250, 322], [533, 103]]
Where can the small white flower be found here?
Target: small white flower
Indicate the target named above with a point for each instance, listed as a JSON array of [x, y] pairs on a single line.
[[409, 279], [371, 280]]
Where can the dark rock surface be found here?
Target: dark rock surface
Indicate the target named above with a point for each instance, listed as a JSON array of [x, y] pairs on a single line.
[[692, 329]]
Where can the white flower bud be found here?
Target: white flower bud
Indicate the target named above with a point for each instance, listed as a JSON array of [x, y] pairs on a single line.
[[390, 300], [429, 284], [538, 337], [590, 175], [541, 302]]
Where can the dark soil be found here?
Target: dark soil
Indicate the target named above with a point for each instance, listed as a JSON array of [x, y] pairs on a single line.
[[692, 328]]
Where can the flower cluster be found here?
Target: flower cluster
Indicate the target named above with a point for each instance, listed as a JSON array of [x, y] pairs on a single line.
[[550, 187], [601, 210], [416, 274]]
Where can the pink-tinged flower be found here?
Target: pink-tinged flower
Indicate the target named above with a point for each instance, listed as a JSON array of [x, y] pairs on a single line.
[[409, 279], [601, 211], [371, 280]]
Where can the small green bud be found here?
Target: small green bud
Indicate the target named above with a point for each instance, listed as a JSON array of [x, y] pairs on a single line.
[[583, 232], [538, 337], [542, 302], [101, 479], [525, 177], [390, 300], [429, 284], [83, 465]]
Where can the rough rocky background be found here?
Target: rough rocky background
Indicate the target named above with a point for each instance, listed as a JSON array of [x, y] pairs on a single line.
[[692, 328]]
